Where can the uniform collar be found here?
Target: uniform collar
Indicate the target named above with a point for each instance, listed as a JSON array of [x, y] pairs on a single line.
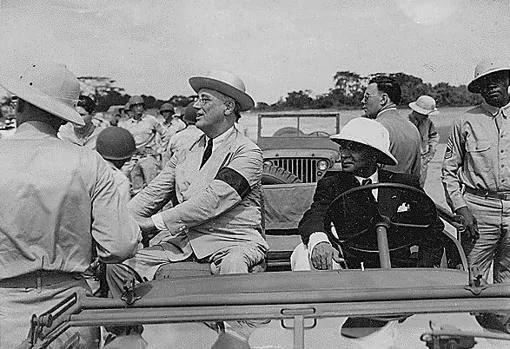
[[29, 129], [493, 111]]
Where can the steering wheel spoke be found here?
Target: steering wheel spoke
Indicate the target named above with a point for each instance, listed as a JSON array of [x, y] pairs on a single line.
[[405, 214]]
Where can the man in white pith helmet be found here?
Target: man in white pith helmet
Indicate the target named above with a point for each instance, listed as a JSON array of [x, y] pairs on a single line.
[[476, 172], [422, 108], [59, 206], [364, 146]]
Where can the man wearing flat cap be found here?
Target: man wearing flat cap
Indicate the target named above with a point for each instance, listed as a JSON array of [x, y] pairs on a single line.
[[216, 225], [59, 207], [476, 172]]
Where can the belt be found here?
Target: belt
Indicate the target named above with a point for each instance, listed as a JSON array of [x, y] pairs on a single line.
[[39, 278], [501, 195]]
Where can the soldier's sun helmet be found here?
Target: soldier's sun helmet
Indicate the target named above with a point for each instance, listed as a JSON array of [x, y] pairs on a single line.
[[136, 100], [370, 133], [115, 143], [166, 107]]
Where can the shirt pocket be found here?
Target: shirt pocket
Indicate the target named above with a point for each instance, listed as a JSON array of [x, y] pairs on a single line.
[[479, 155]]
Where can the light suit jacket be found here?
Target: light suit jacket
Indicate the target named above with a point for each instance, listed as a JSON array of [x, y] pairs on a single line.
[[219, 204]]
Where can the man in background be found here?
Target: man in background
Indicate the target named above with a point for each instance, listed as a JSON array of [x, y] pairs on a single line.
[[422, 108], [146, 163], [185, 138], [380, 101], [85, 135]]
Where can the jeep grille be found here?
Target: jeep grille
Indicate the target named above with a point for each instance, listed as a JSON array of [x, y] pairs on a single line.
[[304, 168]]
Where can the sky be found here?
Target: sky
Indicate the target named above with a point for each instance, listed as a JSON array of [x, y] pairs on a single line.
[[275, 46]]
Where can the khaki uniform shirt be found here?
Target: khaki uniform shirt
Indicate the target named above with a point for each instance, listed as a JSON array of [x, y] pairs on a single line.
[[67, 133], [478, 153], [58, 201], [429, 136], [144, 132]]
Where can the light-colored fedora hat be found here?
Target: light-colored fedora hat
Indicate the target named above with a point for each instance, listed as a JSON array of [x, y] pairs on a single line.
[[225, 82], [486, 67], [49, 86], [368, 132], [425, 105]]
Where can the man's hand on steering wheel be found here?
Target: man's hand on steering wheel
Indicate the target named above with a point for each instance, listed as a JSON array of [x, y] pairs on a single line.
[[323, 255]]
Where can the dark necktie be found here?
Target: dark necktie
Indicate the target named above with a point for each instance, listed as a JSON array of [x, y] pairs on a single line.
[[207, 152], [366, 181]]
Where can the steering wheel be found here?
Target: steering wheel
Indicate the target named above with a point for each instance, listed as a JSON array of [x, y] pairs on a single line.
[[366, 228], [319, 134]]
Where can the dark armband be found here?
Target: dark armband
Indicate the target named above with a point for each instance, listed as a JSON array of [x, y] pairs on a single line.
[[235, 180]]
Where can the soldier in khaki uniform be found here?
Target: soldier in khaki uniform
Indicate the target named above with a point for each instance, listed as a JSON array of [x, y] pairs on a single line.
[[476, 171]]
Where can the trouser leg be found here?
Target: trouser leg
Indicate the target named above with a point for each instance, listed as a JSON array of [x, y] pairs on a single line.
[[150, 168], [146, 262], [502, 259], [487, 212], [238, 260]]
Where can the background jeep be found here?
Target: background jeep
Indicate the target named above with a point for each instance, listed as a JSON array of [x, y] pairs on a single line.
[[296, 145]]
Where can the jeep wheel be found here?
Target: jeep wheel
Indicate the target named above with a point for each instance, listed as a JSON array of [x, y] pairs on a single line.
[[276, 175]]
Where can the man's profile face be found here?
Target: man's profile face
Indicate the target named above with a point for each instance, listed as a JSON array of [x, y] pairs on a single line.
[[210, 109], [418, 116], [371, 102], [356, 158], [494, 88], [87, 119]]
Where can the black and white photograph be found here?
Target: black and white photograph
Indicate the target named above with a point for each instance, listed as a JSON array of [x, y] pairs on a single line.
[[254, 174]]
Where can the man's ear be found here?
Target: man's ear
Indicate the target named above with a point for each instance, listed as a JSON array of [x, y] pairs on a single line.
[[229, 108], [384, 99]]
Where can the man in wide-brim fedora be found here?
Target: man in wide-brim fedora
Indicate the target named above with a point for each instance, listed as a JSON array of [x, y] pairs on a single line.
[[216, 226], [476, 171]]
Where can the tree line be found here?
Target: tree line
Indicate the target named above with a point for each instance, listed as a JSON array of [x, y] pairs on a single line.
[[346, 93], [349, 88]]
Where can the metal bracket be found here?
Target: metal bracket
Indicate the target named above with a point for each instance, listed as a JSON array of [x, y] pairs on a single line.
[[477, 283], [129, 296]]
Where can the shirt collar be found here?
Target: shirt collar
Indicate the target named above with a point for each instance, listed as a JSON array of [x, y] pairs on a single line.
[[29, 129], [219, 139], [390, 107], [493, 111], [374, 177]]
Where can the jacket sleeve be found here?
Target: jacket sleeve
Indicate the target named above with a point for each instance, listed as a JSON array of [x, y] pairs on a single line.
[[157, 194], [313, 219], [114, 230], [433, 140], [452, 163], [232, 183]]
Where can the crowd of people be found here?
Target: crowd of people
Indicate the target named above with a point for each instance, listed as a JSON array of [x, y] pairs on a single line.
[[186, 193]]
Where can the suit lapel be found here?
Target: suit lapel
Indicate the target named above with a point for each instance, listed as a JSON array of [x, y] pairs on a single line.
[[201, 177], [388, 199]]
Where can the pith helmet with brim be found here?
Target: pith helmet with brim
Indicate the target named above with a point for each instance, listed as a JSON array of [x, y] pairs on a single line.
[[370, 133], [424, 105], [224, 82], [49, 86], [484, 68]]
